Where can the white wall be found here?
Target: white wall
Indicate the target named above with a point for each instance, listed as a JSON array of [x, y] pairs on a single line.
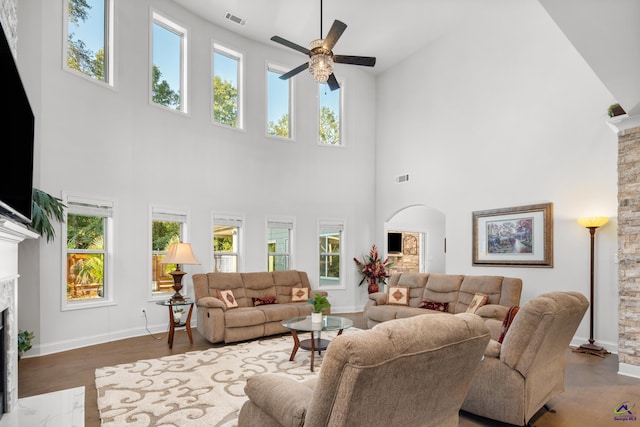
[[112, 143], [504, 112]]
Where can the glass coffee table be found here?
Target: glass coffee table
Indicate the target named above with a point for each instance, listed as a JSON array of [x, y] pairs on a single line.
[[316, 343]]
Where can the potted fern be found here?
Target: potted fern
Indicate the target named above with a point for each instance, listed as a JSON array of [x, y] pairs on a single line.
[[320, 305], [24, 342]]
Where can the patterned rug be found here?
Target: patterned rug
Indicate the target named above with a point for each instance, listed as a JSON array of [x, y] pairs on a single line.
[[198, 388]]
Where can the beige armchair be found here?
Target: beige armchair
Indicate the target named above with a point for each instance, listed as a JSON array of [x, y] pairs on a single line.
[[406, 372], [527, 370]]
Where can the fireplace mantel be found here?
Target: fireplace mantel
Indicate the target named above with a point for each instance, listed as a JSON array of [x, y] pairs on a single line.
[[619, 124]]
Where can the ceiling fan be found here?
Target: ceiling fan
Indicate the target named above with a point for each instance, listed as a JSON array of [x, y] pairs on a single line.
[[321, 56]]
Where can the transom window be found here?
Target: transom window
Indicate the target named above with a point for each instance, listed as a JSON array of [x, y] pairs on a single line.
[[88, 227], [227, 91], [330, 115], [279, 236], [89, 38], [168, 64], [279, 111]]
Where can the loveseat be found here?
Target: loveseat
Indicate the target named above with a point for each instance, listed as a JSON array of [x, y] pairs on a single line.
[[449, 293], [235, 307]]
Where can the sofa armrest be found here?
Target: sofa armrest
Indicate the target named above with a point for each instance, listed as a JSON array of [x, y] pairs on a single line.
[[283, 398], [380, 298], [492, 311], [211, 302]]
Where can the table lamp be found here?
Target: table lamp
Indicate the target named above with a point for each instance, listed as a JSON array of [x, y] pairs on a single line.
[[179, 253]]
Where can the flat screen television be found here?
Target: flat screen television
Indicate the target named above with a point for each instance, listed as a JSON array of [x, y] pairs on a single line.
[[394, 243], [17, 130]]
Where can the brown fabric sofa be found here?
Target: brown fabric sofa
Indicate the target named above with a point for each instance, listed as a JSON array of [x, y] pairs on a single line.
[[518, 377], [456, 290], [407, 372], [217, 323]]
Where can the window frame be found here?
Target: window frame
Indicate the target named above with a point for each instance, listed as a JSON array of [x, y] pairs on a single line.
[[158, 212], [110, 79], [156, 17], [79, 204], [270, 67], [332, 224], [281, 223], [229, 220], [223, 49], [341, 114]]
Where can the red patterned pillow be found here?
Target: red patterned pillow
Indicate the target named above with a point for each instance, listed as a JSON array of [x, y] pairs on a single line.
[[264, 301], [506, 323], [433, 305]]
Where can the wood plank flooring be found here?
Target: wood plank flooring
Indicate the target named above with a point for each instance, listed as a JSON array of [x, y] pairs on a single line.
[[593, 387]]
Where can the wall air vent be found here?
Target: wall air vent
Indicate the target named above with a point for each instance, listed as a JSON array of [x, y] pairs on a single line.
[[233, 18], [402, 178]]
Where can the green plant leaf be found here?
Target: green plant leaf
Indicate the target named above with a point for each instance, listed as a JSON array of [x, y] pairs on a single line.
[[45, 208]]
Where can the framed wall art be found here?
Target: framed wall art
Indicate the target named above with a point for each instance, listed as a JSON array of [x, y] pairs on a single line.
[[518, 236]]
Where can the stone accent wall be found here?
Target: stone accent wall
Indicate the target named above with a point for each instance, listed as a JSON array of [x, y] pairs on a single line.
[[629, 246], [9, 19]]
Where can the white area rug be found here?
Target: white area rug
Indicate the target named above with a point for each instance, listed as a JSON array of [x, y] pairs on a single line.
[[199, 388]]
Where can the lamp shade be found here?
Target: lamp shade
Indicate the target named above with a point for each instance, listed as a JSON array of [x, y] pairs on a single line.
[[593, 221], [180, 253]]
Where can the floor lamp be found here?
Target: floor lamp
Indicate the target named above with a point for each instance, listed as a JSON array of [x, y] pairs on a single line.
[[592, 223], [179, 253]]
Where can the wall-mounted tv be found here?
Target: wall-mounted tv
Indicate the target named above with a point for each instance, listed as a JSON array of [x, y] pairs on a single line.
[[17, 132], [394, 243]]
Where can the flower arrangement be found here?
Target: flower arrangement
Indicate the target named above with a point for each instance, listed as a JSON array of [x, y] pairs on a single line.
[[371, 267]]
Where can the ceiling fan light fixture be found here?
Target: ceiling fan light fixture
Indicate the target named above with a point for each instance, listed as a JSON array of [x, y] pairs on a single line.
[[320, 61]]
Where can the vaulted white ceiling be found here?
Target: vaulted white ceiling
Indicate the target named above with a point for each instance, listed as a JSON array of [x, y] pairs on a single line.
[[605, 32]]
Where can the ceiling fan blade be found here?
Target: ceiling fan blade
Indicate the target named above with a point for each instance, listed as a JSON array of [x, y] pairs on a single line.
[[332, 82], [291, 45], [334, 34], [368, 61], [295, 71]]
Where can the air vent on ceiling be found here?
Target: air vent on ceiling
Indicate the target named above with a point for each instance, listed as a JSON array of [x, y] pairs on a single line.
[[233, 18], [402, 178]]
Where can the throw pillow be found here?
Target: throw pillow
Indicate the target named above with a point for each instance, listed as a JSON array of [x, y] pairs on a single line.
[[227, 298], [264, 301], [506, 323], [433, 305], [398, 295], [299, 294], [479, 299]]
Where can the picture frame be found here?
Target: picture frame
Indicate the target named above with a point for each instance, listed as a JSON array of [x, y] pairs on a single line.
[[519, 236]]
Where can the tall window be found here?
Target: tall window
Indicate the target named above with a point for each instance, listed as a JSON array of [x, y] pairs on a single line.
[[330, 114], [226, 243], [227, 91], [89, 38], [168, 64], [279, 120], [279, 236], [330, 250], [88, 227], [167, 226]]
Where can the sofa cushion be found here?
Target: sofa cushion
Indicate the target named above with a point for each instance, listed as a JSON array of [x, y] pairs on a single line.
[[443, 288], [299, 294], [479, 299], [244, 316], [278, 312], [488, 285], [226, 296], [264, 300], [434, 305], [493, 349], [506, 323], [398, 295]]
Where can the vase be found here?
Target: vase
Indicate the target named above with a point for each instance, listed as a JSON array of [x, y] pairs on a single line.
[[373, 285], [316, 317]]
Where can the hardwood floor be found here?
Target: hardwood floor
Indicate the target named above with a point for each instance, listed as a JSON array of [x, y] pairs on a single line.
[[593, 389]]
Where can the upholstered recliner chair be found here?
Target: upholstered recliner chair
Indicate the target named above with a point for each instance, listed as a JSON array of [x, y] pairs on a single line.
[[405, 372], [518, 377]]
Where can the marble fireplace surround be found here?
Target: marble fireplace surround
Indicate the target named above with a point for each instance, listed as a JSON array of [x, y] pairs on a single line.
[[11, 234]]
